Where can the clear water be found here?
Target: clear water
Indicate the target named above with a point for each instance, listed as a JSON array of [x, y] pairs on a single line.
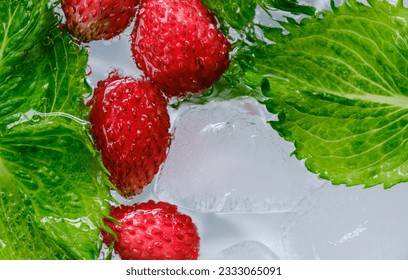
[[350, 223], [249, 198]]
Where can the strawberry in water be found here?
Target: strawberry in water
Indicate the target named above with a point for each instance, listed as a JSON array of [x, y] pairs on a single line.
[[152, 231], [89, 20], [177, 44], [130, 125]]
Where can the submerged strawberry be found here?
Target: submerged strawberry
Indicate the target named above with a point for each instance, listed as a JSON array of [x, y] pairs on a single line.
[[89, 20], [178, 46], [153, 231], [130, 125]]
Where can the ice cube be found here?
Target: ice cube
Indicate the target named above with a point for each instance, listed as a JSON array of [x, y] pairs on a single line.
[[350, 223], [225, 158], [247, 250], [222, 235]]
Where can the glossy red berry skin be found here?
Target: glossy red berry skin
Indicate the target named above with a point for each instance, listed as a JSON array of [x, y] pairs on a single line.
[[153, 231], [178, 45], [89, 20], [130, 126]]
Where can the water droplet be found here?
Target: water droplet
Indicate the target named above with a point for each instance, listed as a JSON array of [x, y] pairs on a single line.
[[36, 118], [87, 48]]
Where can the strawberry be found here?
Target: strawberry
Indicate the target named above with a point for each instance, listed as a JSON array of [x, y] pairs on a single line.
[[177, 44], [152, 231], [89, 20], [130, 125]]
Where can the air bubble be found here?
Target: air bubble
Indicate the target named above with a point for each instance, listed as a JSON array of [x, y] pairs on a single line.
[[36, 118], [87, 48]]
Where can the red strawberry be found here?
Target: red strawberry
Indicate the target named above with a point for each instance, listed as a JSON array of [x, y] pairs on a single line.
[[153, 231], [130, 125], [89, 20], [178, 46]]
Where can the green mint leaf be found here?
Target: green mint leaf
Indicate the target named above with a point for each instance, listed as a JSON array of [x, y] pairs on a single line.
[[338, 83], [23, 22], [235, 13], [53, 188], [240, 14]]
